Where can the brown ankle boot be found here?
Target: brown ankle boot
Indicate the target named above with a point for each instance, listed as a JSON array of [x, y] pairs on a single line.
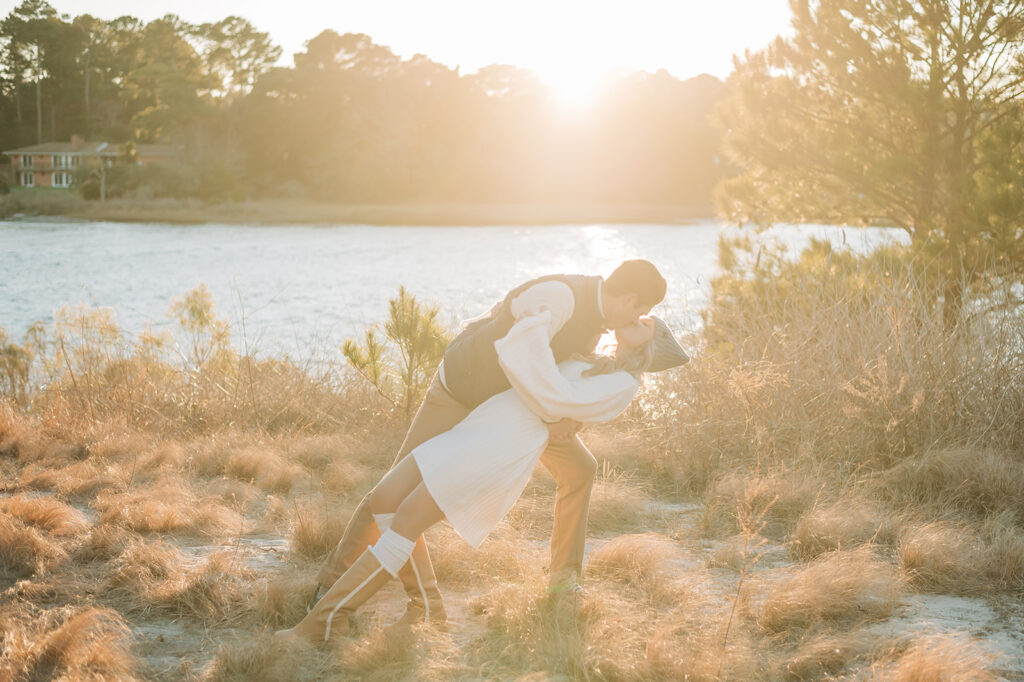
[[330, 615]]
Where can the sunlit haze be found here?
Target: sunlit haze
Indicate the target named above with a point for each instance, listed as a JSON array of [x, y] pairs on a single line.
[[571, 45]]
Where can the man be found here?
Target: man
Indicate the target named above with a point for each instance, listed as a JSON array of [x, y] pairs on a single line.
[[580, 308]]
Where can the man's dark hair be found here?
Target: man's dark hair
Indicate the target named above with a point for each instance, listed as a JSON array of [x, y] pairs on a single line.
[[638, 277]]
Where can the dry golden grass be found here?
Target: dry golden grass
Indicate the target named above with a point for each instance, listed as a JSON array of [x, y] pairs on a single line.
[[212, 592], [975, 482], [46, 513], [121, 446], [604, 634], [618, 503], [418, 653], [739, 552], [166, 454], [937, 658], [774, 502], [25, 550], [343, 476], [236, 494], [259, 659], [1004, 551], [504, 555], [168, 507], [840, 586], [79, 480], [531, 632], [318, 452], [141, 566], [67, 644], [281, 601], [316, 531], [264, 468], [156, 575], [683, 647], [821, 655], [642, 561], [102, 543], [943, 557], [841, 525]]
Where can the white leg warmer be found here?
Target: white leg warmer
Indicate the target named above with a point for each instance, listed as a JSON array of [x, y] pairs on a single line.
[[383, 521], [392, 551]]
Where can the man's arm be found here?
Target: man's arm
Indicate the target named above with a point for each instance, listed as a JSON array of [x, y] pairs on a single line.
[[550, 394]]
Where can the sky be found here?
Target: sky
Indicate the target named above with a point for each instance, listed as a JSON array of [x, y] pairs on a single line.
[[570, 43]]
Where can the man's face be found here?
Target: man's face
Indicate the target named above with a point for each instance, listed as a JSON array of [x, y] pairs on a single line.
[[622, 311]]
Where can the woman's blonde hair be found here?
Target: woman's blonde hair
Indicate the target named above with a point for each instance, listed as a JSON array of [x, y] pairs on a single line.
[[636, 363]]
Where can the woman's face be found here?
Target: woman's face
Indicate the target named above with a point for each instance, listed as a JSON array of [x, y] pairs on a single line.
[[635, 335]]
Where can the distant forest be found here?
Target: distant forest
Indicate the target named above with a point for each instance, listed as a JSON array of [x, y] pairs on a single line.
[[351, 122]]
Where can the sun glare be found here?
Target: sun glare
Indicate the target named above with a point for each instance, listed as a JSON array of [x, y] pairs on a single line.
[[574, 85]]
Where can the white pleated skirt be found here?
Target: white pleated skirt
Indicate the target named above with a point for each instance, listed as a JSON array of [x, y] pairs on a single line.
[[477, 470]]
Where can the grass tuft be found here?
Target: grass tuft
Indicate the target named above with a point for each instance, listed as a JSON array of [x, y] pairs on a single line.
[[642, 561], [843, 525], [45, 513], [777, 500], [942, 557], [840, 586], [25, 550], [315, 532], [89, 644], [938, 657]]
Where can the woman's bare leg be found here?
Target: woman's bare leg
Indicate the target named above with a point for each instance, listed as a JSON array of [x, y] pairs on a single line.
[[396, 485], [417, 513], [402, 493]]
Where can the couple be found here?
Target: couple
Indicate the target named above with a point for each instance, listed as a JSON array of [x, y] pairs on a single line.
[[514, 386]]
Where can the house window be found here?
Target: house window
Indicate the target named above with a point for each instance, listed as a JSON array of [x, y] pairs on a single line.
[[62, 161], [26, 161], [28, 179], [62, 179]]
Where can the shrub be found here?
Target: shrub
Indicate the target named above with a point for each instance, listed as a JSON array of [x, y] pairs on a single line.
[[401, 373]]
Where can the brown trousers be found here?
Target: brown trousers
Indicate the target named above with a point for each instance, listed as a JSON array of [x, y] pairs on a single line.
[[570, 463]]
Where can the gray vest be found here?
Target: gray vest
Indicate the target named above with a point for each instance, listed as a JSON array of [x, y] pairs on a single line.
[[471, 369]]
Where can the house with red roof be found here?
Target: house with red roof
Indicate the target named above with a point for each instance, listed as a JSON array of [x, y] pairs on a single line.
[[52, 164]]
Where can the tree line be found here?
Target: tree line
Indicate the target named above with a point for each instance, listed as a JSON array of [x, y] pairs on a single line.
[[350, 121]]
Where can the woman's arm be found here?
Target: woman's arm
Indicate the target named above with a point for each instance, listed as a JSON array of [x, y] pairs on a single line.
[[546, 391]]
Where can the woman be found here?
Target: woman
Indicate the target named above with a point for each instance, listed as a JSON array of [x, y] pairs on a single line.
[[472, 474]]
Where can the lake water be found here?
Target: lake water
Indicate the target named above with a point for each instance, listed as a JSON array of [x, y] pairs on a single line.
[[303, 286]]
